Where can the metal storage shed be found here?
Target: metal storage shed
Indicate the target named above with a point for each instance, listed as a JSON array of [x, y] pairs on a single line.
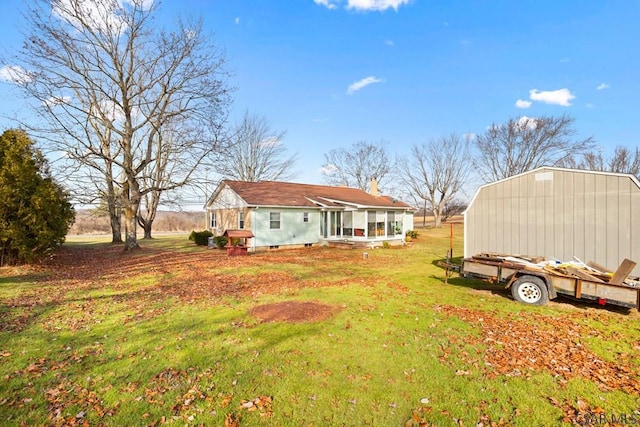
[[559, 214]]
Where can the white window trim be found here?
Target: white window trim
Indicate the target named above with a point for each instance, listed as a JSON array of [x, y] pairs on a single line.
[[279, 220]]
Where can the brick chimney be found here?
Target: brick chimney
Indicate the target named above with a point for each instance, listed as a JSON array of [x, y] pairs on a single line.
[[373, 190]]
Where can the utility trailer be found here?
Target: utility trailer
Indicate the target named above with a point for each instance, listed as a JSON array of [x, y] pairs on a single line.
[[536, 281]]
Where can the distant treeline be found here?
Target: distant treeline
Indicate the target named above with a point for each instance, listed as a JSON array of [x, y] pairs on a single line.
[[93, 222]]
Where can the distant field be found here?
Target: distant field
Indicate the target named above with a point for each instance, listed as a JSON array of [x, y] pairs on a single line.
[[92, 222], [175, 334]]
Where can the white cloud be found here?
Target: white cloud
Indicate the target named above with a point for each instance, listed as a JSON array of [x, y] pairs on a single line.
[[326, 3], [389, 43], [527, 122], [356, 86], [237, 20], [14, 74], [521, 103], [97, 14], [556, 97], [144, 4], [53, 101], [92, 12], [377, 5], [602, 86], [111, 110], [329, 169]]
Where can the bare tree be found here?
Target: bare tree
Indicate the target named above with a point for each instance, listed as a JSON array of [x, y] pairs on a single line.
[[255, 153], [358, 165], [108, 83], [623, 160], [453, 208], [436, 172], [526, 143]]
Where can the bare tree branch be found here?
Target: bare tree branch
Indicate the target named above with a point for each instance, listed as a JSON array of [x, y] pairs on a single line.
[[623, 160], [526, 143], [255, 153], [358, 166]]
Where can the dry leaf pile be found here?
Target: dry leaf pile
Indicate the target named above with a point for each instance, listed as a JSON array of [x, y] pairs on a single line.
[[520, 345]]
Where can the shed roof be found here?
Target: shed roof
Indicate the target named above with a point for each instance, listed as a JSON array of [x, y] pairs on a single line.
[[550, 168], [274, 193]]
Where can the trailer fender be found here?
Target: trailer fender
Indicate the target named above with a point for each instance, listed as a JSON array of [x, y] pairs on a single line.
[[551, 291]]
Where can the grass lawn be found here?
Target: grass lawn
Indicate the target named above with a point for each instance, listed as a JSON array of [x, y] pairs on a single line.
[[176, 334]]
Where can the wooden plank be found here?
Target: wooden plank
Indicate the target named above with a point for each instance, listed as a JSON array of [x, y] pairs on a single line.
[[583, 274], [480, 269], [626, 267], [600, 268], [578, 288], [488, 257]]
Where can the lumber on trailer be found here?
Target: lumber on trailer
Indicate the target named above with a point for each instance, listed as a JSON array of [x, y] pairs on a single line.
[[583, 274], [600, 268], [626, 267]]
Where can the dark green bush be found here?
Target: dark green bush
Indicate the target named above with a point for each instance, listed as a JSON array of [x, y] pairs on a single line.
[[220, 241], [35, 211], [201, 238]]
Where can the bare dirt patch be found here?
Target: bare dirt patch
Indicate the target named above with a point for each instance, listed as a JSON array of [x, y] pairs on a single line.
[[293, 312]]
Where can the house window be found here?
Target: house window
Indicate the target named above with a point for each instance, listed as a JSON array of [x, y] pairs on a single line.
[[375, 224], [335, 223], [399, 224], [347, 225], [213, 219], [305, 217], [371, 223], [391, 223], [274, 220], [241, 220]]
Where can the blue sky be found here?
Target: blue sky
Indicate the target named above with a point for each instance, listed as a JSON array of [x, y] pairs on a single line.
[[334, 72]]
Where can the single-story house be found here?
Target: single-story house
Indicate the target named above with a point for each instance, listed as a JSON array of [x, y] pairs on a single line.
[[285, 214], [559, 214]]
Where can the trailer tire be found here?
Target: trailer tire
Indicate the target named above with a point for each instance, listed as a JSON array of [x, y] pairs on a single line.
[[530, 290]]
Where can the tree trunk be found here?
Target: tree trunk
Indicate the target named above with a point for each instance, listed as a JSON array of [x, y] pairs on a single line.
[[146, 226], [130, 223], [151, 202], [437, 218], [131, 208], [116, 228], [112, 206]]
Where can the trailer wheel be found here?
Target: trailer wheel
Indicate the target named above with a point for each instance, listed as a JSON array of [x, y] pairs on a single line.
[[530, 290]]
